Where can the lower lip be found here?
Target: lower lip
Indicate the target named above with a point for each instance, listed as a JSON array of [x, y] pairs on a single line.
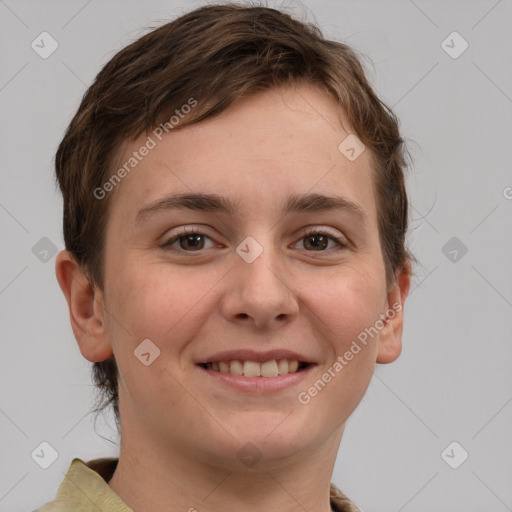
[[259, 385]]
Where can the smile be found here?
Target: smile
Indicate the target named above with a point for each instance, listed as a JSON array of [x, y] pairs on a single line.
[[257, 378], [267, 369]]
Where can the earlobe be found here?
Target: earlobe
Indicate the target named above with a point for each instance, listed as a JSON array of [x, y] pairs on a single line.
[[390, 340], [86, 312]]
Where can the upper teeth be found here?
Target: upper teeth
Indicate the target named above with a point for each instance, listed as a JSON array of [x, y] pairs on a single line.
[[254, 369]]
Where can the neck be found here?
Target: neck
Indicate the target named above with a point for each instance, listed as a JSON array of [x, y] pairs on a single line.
[[152, 479]]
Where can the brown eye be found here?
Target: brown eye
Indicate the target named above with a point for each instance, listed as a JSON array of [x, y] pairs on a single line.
[[191, 242], [321, 241], [316, 242], [188, 241]]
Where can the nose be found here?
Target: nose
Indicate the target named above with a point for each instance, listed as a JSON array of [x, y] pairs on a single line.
[[260, 293]]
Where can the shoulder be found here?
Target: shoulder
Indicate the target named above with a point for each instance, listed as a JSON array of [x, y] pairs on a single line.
[[53, 506], [85, 488]]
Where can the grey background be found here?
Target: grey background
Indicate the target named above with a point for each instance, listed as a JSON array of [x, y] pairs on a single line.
[[453, 381]]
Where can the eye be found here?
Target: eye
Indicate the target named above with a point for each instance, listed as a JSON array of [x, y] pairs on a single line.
[[314, 240], [189, 240], [318, 240]]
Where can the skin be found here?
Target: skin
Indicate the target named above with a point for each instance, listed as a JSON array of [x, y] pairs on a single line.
[[181, 430]]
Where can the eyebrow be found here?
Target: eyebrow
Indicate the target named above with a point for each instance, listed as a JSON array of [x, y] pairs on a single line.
[[221, 204]]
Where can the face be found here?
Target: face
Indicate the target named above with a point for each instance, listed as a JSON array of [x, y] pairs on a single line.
[[258, 267]]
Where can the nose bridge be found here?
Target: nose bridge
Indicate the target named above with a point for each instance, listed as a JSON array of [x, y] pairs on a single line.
[[258, 267], [262, 275], [259, 284]]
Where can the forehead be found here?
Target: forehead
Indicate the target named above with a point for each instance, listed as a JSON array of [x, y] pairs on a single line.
[[276, 143]]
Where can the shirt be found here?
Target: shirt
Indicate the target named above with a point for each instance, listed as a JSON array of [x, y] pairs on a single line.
[[85, 489]]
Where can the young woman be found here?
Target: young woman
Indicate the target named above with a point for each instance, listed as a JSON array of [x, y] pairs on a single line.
[[235, 266]]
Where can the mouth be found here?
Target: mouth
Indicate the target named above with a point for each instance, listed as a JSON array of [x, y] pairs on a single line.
[[256, 378], [265, 369], [256, 372]]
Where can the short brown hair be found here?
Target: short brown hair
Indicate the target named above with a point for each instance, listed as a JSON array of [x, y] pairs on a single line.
[[216, 54]]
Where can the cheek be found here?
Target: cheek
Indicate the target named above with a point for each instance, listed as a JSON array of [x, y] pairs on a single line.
[[157, 302], [336, 390], [349, 310], [347, 306]]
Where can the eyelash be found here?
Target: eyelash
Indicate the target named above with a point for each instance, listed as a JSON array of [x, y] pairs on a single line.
[[167, 245]]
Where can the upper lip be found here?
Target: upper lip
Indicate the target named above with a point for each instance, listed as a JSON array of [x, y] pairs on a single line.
[[253, 355]]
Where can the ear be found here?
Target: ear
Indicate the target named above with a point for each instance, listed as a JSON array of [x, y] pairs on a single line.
[[390, 340], [86, 309]]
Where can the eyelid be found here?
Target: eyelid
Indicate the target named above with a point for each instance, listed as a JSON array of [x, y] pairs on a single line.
[[186, 230], [323, 229]]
